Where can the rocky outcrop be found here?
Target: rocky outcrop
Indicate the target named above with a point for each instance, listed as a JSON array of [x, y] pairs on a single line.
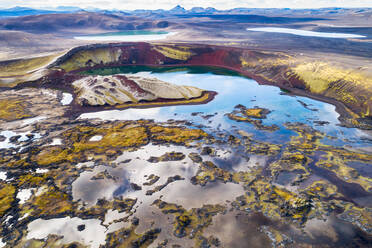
[[119, 89]]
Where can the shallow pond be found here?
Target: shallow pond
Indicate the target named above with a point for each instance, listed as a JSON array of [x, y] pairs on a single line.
[[305, 32]]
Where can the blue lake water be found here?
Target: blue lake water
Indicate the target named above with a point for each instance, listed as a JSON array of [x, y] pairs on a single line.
[[304, 32], [234, 89]]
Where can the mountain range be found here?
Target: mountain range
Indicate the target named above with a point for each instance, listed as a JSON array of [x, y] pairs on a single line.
[[179, 10]]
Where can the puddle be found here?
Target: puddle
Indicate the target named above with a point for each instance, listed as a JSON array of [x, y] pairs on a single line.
[[66, 98], [9, 134], [93, 235], [24, 194], [3, 175]]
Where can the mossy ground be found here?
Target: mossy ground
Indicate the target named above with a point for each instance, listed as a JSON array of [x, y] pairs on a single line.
[[6, 197], [13, 109], [91, 58], [276, 202], [190, 223], [24, 66], [175, 52], [253, 116]]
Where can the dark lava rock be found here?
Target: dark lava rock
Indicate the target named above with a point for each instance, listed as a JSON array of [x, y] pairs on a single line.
[[307, 106], [151, 180], [160, 187], [183, 220], [125, 161], [207, 151], [135, 221], [30, 136], [195, 157], [321, 123], [81, 228], [206, 117], [14, 139], [153, 159], [26, 150], [163, 244], [239, 106], [169, 156], [2, 138], [148, 237], [135, 187]]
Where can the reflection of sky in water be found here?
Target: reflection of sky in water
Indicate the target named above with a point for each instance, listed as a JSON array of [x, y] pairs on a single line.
[[305, 32], [9, 134], [93, 233], [233, 90]]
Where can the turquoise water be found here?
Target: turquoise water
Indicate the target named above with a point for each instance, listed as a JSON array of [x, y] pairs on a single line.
[[235, 89]]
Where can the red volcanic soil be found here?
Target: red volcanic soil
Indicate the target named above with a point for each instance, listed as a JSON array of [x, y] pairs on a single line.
[[131, 84], [141, 53]]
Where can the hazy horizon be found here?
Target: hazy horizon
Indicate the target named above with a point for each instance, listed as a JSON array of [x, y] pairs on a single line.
[[169, 4]]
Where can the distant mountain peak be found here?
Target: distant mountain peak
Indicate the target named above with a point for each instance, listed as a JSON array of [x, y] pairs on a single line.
[[197, 10], [178, 9], [18, 8]]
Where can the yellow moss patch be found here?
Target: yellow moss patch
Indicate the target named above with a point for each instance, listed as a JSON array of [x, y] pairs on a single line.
[[253, 116], [6, 197], [176, 134], [263, 148], [254, 112], [13, 109], [15, 162], [90, 58], [274, 202], [204, 97], [51, 155], [127, 237], [209, 172], [191, 222], [362, 217], [335, 160], [323, 189], [179, 53], [114, 136], [24, 66], [318, 76], [51, 202], [31, 181], [52, 241], [287, 196]]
